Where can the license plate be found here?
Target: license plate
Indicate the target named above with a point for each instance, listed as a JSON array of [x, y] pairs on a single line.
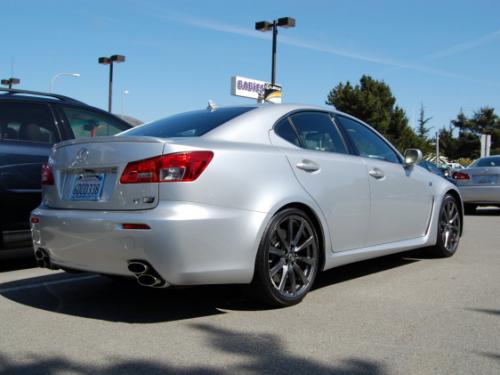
[[88, 187]]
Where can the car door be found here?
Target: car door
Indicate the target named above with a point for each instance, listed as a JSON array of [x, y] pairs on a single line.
[[401, 198], [334, 178], [27, 133]]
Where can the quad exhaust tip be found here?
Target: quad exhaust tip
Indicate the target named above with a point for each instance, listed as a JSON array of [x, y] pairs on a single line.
[[145, 274], [43, 259]]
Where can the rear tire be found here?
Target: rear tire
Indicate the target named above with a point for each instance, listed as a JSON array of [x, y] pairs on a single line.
[[287, 259], [470, 209], [449, 228]]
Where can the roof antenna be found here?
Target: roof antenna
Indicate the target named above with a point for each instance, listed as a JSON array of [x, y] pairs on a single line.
[[211, 105]]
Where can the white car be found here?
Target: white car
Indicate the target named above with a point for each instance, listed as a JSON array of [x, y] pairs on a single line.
[[266, 194]]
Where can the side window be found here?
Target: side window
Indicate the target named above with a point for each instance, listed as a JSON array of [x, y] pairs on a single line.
[[284, 129], [368, 144], [318, 132], [86, 123], [27, 122]]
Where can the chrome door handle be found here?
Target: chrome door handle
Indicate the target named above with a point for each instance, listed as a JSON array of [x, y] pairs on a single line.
[[308, 166], [376, 173]]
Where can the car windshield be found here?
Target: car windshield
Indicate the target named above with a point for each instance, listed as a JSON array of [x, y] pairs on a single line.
[[188, 124], [493, 161]]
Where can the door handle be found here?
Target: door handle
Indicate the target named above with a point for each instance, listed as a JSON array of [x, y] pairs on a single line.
[[376, 173], [308, 166]]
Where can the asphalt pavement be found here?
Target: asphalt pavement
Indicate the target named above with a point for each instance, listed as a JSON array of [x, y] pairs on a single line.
[[403, 314]]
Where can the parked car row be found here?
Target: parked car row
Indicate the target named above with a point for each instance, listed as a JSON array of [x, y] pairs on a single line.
[[30, 124]]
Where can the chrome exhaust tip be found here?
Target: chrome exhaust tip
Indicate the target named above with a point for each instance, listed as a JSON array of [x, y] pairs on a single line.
[[149, 280], [43, 259], [137, 267], [145, 274]]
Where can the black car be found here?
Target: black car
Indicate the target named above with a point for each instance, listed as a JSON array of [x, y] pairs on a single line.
[[30, 123], [433, 168]]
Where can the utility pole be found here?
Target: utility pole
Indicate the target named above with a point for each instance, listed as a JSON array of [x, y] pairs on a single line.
[[437, 148]]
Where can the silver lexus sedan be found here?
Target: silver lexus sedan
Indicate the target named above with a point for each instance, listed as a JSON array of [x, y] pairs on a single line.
[[479, 183], [267, 195]]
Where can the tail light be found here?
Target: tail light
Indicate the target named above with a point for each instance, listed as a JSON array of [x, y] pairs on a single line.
[[461, 176], [47, 175], [183, 166]]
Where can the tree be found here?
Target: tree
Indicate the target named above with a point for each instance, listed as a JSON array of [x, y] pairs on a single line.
[[422, 129], [372, 101]]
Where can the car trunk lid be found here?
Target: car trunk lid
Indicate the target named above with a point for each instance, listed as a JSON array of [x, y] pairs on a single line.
[[87, 174]]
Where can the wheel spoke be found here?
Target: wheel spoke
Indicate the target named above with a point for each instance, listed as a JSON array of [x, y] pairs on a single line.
[[306, 243], [306, 260], [300, 273], [455, 217], [290, 230], [284, 276], [293, 281], [273, 271], [299, 234], [275, 251], [282, 239], [446, 238]]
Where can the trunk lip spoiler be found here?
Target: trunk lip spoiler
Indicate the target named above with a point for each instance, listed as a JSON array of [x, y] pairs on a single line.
[[81, 141]]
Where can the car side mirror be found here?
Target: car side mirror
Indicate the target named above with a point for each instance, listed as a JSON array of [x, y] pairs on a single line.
[[412, 156]]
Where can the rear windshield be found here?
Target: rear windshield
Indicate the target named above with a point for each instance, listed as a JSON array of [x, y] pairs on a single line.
[[487, 162], [188, 124]]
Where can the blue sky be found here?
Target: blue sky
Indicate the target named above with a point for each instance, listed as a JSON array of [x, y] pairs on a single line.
[[443, 54]]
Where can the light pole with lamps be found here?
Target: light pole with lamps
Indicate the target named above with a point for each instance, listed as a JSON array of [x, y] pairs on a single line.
[[53, 79], [285, 22], [11, 81], [109, 61]]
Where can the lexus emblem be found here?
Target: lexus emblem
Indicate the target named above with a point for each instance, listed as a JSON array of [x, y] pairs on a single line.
[[81, 157]]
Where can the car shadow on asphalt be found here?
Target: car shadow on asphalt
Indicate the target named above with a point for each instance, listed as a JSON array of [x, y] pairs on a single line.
[[237, 352], [98, 297], [486, 211]]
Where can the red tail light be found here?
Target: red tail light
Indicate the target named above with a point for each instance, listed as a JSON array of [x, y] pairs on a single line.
[[135, 226], [47, 176], [184, 166], [461, 176]]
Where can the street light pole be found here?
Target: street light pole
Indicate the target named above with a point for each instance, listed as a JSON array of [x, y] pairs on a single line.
[[285, 22], [11, 81], [109, 61], [53, 80]]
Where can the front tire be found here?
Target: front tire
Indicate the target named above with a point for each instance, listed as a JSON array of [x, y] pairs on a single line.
[[449, 228], [287, 259]]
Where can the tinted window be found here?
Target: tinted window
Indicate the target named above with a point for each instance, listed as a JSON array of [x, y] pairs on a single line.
[[29, 122], [367, 143], [487, 162], [188, 124], [87, 123], [285, 131], [318, 132]]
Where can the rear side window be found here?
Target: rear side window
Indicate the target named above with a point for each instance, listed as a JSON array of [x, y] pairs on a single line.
[[188, 124], [86, 123], [284, 129], [27, 122], [368, 143], [487, 162], [317, 132]]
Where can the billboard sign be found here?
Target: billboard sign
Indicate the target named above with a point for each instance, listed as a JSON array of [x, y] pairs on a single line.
[[254, 89]]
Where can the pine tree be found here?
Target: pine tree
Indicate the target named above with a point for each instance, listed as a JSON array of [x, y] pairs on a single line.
[[373, 102]]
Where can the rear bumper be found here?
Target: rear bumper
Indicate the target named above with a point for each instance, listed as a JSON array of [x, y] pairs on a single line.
[[480, 194], [187, 244]]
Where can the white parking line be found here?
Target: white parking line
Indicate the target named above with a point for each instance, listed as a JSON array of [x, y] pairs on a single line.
[[46, 283]]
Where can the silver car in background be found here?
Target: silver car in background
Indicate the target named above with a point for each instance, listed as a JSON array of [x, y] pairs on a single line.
[[479, 183], [267, 194]]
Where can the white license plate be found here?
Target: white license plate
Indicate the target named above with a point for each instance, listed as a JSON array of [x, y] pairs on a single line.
[[88, 187]]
